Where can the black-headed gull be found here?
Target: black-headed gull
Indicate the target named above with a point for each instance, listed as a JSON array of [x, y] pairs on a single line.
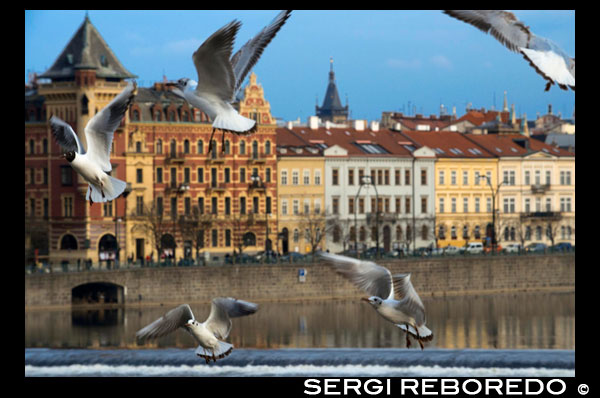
[[545, 56], [94, 165], [220, 75], [210, 333], [407, 311]]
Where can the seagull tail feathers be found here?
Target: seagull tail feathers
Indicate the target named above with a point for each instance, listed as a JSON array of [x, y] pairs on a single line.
[[222, 350], [114, 188], [425, 334], [235, 123]]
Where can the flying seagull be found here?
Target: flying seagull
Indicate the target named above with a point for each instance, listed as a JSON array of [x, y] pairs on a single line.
[[545, 56], [407, 311], [210, 333], [220, 75], [94, 165]]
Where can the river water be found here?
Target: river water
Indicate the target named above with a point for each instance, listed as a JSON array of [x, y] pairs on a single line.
[[511, 334]]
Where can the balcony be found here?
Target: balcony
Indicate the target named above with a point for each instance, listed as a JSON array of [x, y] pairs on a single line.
[[383, 217], [256, 186], [542, 215], [219, 188], [540, 188], [175, 158], [256, 158], [176, 188]]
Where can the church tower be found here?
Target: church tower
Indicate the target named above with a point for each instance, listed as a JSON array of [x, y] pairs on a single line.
[[332, 109]]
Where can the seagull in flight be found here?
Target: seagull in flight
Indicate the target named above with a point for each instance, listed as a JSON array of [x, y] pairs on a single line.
[[94, 165], [220, 75], [544, 55], [209, 334], [405, 311]]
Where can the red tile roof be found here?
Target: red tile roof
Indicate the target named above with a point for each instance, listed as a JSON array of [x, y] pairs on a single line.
[[507, 145], [448, 144]]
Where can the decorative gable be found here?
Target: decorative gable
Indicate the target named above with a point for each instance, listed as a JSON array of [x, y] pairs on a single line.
[[254, 105]]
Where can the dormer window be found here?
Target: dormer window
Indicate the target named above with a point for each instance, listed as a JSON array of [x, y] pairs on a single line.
[[103, 60]]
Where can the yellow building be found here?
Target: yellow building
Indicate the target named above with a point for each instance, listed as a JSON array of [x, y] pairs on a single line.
[[300, 194], [465, 178]]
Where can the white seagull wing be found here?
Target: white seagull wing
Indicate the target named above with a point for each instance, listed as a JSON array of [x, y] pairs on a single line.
[[409, 301], [100, 129], [503, 25], [166, 324], [247, 56], [215, 74], [368, 276], [551, 66], [221, 312], [65, 136]]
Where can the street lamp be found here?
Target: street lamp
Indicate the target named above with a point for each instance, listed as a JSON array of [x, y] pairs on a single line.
[[258, 183], [494, 193], [125, 193], [366, 180]]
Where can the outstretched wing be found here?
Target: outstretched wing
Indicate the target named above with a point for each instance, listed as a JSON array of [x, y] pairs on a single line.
[[221, 312], [100, 129], [247, 56], [65, 136], [372, 278], [409, 301], [503, 25], [215, 74], [166, 324]]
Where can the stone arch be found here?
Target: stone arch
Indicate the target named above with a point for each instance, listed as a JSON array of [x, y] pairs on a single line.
[[100, 292], [68, 242]]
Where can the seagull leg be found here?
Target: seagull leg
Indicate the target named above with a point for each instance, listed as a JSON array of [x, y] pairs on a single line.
[[419, 339], [421, 344], [407, 339], [548, 85], [211, 141]]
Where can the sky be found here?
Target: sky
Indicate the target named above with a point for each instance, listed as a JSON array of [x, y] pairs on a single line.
[[406, 61]]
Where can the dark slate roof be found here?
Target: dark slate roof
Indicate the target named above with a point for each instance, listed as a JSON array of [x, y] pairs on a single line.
[[87, 50], [331, 103]]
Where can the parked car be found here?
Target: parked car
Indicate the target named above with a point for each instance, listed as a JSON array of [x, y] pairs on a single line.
[[513, 248], [371, 251], [348, 253], [536, 248], [261, 256], [474, 248], [451, 250], [488, 249], [422, 252], [562, 247], [294, 256]]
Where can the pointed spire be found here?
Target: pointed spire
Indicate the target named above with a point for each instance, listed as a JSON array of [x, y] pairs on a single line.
[[505, 105], [513, 115], [331, 73]]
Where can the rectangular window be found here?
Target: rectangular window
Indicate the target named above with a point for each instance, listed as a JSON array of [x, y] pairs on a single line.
[[200, 174], [453, 177], [317, 177], [228, 238], [424, 205], [334, 177], [268, 174], [45, 209], [477, 205], [242, 205], [306, 177], [215, 238], [441, 177], [255, 205], [173, 208], [397, 177], [268, 204], [407, 205], [227, 175], [453, 205], [379, 177], [295, 177], [186, 175], [306, 206], [386, 177], [465, 205], [441, 205], [407, 177], [423, 177], [527, 205], [227, 206], [107, 209], [335, 205], [139, 205], [159, 175], [139, 176], [159, 206], [68, 206], [214, 204], [187, 204], [45, 176], [351, 205], [548, 177], [173, 176], [284, 207], [242, 174], [361, 205], [465, 177], [317, 206], [488, 205], [295, 207], [398, 206], [66, 175], [350, 176], [527, 177], [201, 205]]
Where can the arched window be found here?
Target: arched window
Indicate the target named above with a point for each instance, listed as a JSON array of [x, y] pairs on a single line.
[[185, 116], [296, 235], [409, 236], [227, 145], [200, 148], [465, 232], [254, 149], [84, 105], [135, 115], [173, 148], [399, 233], [44, 146], [242, 147], [453, 232], [352, 234], [336, 234], [159, 148], [267, 147], [249, 239], [171, 116], [477, 232], [158, 116], [506, 233], [68, 242], [186, 146], [31, 146], [512, 233], [538, 232], [362, 234], [528, 233]]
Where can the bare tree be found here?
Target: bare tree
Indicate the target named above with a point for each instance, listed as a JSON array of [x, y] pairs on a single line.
[[193, 227], [152, 223], [316, 226], [241, 224]]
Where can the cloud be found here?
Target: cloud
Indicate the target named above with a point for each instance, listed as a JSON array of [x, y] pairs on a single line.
[[441, 62], [403, 64]]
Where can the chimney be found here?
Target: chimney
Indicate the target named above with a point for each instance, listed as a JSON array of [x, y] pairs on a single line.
[[313, 122], [327, 124], [374, 125], [359, 125], [290, 125], [397, 126]]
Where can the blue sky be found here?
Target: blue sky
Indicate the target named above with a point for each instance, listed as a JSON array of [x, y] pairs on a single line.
[[410, 61]]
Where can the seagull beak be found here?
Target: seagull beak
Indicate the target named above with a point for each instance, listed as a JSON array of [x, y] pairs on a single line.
[[365, 299]]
